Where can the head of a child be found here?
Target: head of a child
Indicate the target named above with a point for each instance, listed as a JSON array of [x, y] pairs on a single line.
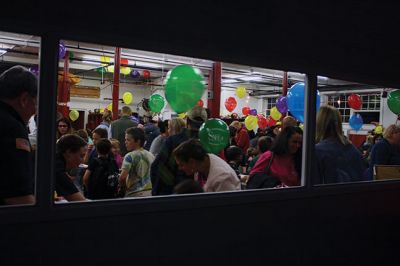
[[234, 154], [103, 147], [115, 146], [134, 138]]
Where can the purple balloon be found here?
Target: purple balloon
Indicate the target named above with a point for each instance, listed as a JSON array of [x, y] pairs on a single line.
[[253, 112], [135, 74], [34, 69], [281, 104], [61, 50]]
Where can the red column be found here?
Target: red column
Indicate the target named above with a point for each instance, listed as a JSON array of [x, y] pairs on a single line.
[[214, 85], [284, 84], [115, 92], [63, 89]]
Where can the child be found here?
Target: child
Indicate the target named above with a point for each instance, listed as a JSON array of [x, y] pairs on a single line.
[[115, 149], [135, 171], [101, 177], [234, 157]]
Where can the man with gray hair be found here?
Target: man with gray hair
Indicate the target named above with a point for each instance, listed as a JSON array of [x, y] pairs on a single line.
[[18, 92], [118, 127]]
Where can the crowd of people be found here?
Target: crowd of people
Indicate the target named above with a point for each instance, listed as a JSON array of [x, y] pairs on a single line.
[[141, 157]]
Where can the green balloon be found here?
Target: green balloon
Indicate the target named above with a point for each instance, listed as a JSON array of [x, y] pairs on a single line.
[[101, 70], [184, 86], [214, 135], [393, 101], [156, 103]]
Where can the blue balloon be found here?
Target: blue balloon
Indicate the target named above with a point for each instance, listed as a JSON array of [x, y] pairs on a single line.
[[356, 121], [295, 101]]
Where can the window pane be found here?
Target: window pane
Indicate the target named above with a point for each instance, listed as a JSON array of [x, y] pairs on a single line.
[[147, 86], [363, 128], [19, 67]]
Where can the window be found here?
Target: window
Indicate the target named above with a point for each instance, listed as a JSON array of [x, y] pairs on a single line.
[[18, 50]]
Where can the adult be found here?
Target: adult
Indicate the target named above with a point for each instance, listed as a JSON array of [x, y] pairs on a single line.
[[288, 121], [242, 138], [151, 130], [106, 121], [284, 158], [63, 127], [158, 142], [18, 91], [264, 144], [135, 170], [165, 174], [71, 150], [175, 126], [118, 127], [386, 151], [337, 160], [192, 159]]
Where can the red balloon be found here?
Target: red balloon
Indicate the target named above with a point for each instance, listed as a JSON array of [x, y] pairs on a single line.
[[271, 122], [354, 101], [246, 110], [146, 74], [230, 104], [200, 103], [262, 122], [124, 61]]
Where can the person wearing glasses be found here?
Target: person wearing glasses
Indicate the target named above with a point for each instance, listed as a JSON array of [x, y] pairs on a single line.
[[63, 127], [18, 91]]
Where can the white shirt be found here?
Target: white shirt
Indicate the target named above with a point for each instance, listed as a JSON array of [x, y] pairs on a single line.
[[221, 176]]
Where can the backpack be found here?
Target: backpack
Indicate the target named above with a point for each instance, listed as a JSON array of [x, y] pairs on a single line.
[[263, 180], [104, 180]]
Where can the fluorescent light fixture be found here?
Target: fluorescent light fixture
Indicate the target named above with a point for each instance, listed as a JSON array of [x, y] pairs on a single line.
[[232, 76], [2, 52], [91, 62], [251, 78], [227, 81], [323, 78]]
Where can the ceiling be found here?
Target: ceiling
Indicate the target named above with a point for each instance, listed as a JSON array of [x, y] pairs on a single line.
[[86, 59]]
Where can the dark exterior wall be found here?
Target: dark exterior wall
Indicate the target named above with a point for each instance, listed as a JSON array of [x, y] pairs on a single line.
[[351, 224]]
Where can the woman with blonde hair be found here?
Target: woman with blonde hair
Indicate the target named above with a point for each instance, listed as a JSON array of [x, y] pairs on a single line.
[[386, 151], [175, 126], [337, 159]]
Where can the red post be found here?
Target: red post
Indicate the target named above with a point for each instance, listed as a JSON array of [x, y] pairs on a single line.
[[284, 84], [115, 92], [214, 85], [63, 89]]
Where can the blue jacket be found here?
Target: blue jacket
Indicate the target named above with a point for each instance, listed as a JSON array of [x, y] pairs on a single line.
[[337, 163], [383, 153]]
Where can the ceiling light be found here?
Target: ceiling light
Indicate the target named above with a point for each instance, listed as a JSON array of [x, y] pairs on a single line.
[[91, 62], [250, 78], [226, 81]]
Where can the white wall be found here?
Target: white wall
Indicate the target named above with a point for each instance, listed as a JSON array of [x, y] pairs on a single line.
[[252, 102]]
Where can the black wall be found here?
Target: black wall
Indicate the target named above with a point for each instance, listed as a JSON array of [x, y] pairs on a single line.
[[336, 225]]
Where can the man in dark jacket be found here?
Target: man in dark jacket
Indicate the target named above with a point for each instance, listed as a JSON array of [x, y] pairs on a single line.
[[151, 130], [18, 91], [118, 127], [165, 174]]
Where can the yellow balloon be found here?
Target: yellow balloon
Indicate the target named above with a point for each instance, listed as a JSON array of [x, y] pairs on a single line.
[[251, 122], [105, 60], [73, 115], [125, 70], [275, 114], [241, 92], [378, 130], [301, 126], [110, 69], [101, 110], [182, 115], [109, 107], [127, 97]]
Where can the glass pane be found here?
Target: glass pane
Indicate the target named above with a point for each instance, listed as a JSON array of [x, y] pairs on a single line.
[[348, 157], [149, 100], [19, 69]]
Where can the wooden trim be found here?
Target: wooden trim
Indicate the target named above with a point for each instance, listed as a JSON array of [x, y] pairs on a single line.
[[85, 91]]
